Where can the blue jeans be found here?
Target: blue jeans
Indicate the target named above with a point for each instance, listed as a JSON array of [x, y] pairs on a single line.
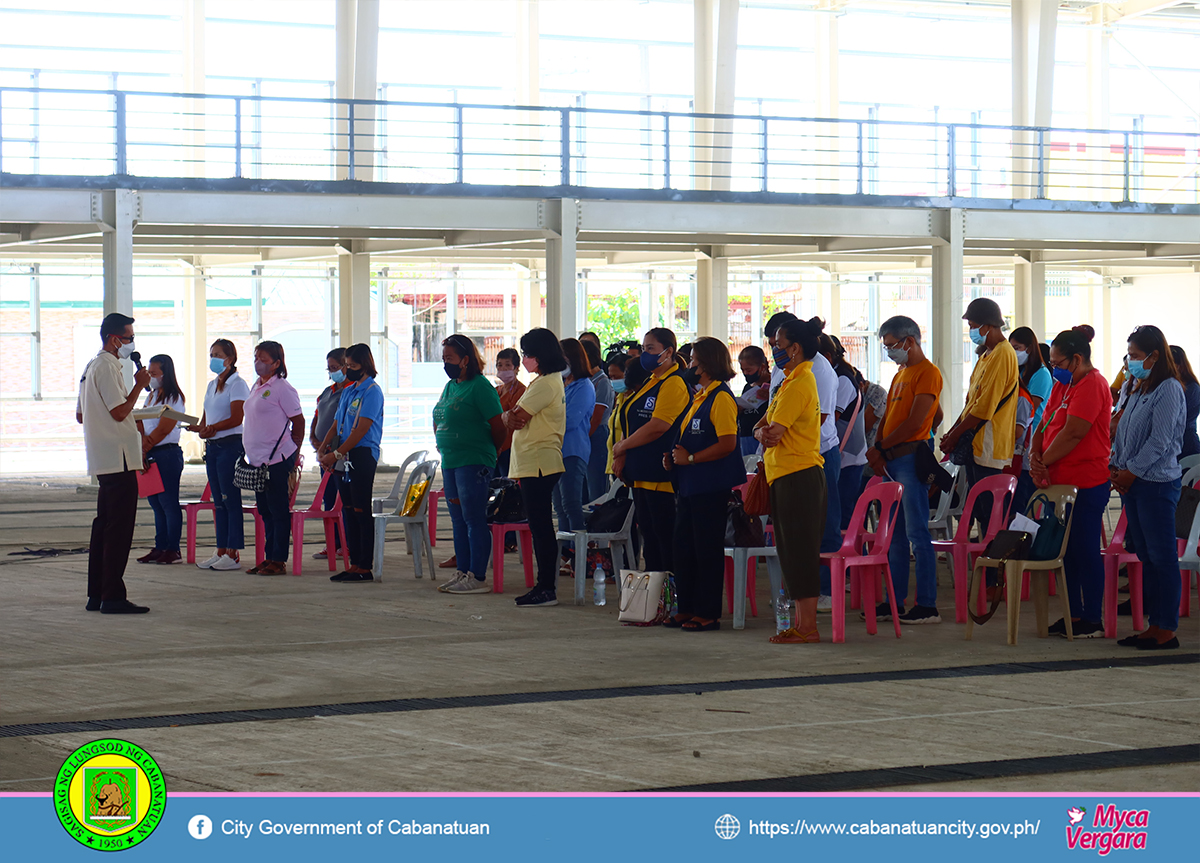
[[220, 457], [1025, 490], [1083, 564], [849, 484], [467, 489], [274, 507], [912, 529], [568, 494], [168, 517], [748, 445], [1150, 511], [597, 478], [831, 540]]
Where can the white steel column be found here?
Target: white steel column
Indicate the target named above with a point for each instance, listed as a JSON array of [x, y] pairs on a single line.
[[1034, 25], [529, 304], [833, 325], [826, 85], [725, 91], [947, 324], [1029, 292], [560, 271], [366, 67], [194, 363], [1099, 154], [194, 82], [528, 84], [354, 298], [120, 215], [719, 326], [344, 37], [703, 97], [705, 309], [35, 331], [756, 309], [331, 317]]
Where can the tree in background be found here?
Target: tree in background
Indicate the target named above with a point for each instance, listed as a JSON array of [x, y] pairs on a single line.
[[614, 318]]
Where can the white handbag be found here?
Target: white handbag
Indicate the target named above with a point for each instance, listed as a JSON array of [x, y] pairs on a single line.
[[640, 595]]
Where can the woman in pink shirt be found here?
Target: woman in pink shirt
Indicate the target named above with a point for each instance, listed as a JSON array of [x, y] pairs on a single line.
[[272, 405]]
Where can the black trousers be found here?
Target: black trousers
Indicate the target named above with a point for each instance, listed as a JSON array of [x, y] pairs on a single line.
[[355, 487], [275, 509], [537, 493], [656, 520], [329, 499], [700, 553], [112, 535]]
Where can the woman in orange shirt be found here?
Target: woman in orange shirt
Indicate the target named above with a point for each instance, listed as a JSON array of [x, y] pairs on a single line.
[[510, 391]]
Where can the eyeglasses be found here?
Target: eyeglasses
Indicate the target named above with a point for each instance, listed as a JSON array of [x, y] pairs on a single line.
[[126, 339]]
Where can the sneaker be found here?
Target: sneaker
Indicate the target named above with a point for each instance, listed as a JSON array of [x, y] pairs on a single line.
[[921, 614], [121, 606], [1058, 628], [226, 564], [1086, 629], [883, 612], [468, 584], [537, 597], [352, 577], [211, 562], [320, 555], [153, 556], [168, 557], [824, 603], [445, 586]]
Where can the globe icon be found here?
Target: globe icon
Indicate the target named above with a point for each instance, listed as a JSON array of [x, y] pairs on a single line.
[[728, 827]]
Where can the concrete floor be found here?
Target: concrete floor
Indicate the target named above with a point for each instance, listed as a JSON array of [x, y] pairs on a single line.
[[223, 641]]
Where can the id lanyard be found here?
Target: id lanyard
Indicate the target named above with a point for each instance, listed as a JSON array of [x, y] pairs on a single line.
[[1047, 420], [350, 427]]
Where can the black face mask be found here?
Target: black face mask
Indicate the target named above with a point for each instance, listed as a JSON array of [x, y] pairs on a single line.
[[354, 374], [691, 377], [453, 370]]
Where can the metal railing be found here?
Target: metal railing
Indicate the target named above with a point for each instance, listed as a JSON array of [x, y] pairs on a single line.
[[99, 133]]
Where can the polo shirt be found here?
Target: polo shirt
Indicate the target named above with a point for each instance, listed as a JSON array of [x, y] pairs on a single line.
[[580, 405], [796, 406], [827, 387], [148, 426], [269, 407], [111, 446], [537, 448], [217, 404], [364, 400]]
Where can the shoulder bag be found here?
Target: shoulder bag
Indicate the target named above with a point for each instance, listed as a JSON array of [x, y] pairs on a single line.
[[742, 530], [644, 597], [255, 478], [758, 493], [964, 450]]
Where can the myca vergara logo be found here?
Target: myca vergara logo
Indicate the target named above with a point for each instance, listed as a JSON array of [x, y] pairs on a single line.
[[1111, 829], [109, 795]]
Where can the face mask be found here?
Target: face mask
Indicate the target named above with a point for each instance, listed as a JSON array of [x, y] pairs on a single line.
[[453, 370], [507, 375], [898, 354], [216, 365], [338, 376], [1137, 369], [691, 377], [618, 385], [530, 364], [781, 357], [977, 337], [753, 377], [1063, 376], [649, 361], [1022, 357], [155, 383], [125, 351], [261, 369], [354, 374], [566, 373]]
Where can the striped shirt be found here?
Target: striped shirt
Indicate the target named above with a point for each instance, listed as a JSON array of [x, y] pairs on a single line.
[[1150, 434]]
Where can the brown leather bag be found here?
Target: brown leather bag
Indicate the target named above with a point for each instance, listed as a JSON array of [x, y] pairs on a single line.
[[758, 493]]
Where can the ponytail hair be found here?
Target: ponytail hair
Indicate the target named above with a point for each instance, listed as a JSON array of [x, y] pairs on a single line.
[[1077, 340], [806, 334], [228, 349]]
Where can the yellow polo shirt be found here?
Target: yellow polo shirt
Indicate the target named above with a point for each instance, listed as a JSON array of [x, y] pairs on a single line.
[[995, 376], [537, 448], [796, 406], [672, 401]]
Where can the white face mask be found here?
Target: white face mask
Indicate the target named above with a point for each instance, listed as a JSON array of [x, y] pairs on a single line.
[[1022, 357], [155, 383], [125, 351]]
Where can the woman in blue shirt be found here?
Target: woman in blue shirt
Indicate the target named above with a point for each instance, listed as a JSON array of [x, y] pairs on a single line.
[[1191, 397], [1035, 378], [355, 437], [577, 444], [1144, 468]]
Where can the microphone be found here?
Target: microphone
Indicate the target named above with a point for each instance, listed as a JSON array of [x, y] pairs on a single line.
[[137, 359]]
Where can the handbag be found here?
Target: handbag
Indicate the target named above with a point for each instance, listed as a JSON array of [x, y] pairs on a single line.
[[150, 481], [742, 530], [505, 504], [1048, 543], [964, 449], [758, 493], [609, 517], [1185, 511], [1005, 546], [930, 470], [644, 597], [255, 478]]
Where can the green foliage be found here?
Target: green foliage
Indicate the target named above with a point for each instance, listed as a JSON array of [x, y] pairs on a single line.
[[614, 318]]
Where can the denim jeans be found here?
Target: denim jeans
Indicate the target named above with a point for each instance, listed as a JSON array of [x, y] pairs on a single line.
[[467, 489], [849, 485], [1150, 511], [912, 529], [220, 457], [748, 445], [568, 494], [1025, 490], [168, 517], [274, 507], [831, 540], [355, 487], [597, 477], [1083, 563]]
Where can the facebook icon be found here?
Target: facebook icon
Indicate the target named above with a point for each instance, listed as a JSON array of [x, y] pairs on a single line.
[[200, 827]]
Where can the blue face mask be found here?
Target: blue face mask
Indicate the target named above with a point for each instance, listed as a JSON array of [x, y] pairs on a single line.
[[1137, 369], [650, 361], [781, 357], [216, 364], [977, 337], [1063, 376], [338, 376], [618, 385]]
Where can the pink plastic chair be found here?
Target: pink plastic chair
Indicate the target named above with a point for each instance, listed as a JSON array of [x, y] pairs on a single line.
[[963, 552], [1115, 556], [855, 583], [434, 497], [332, 521], [192, 509], [260, 532], [864, 556], [524, 547]]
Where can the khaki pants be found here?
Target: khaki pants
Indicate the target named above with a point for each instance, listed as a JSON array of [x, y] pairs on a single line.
[[798, 504]]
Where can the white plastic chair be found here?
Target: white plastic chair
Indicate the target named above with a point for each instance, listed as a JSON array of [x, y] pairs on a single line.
[[741, 558], [1189, 461], [619, 543], [941, 520], [416, 526], [383, 504]]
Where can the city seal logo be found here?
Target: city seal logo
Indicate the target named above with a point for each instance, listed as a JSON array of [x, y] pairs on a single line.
[[109, 795]]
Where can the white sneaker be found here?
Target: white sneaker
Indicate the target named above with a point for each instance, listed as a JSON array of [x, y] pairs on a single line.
[[468, 584], [226, 564], [211, 562], [824, 603], [458, 576]]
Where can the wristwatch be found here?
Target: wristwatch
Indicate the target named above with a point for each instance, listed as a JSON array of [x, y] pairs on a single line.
[[691, 458]]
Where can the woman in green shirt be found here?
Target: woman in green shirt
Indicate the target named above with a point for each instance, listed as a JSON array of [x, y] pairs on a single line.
[[466, 421]]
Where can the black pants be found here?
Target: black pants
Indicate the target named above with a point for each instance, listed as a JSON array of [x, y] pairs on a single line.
[[699, 553], [656, 520], [329, 499], [275, 509], [537, 493], [112, 535], [356, 485]]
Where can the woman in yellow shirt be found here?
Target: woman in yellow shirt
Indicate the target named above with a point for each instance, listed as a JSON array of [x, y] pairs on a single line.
[[791, 437], [538, 423], [649, 425]]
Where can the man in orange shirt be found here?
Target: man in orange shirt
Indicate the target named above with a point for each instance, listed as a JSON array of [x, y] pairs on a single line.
[[911, 406]]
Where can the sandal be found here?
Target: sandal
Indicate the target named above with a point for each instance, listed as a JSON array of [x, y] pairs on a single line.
[[693, 626], [674, 622], [273, 567], [257, 568], [795, 636]]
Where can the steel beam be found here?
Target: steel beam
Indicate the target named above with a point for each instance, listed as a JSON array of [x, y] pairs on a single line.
[[729, 220], [195, 332], [947, 324], [1020, 226]]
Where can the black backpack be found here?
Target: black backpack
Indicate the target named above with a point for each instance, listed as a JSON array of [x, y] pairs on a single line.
[[505, 505], [609, 517]]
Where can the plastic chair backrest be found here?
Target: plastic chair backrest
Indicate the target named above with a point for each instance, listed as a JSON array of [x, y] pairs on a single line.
[[319, 497], [424, 472], [1002, 488], [877, 540], [1191, 476], [960, 486], [206, 496], [944, 499], [299, 468], [1118, 540], [616, 486], [1190, 461], [1063, 498], [413, 458]]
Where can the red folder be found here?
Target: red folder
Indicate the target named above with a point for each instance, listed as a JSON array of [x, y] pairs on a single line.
[[150, 481]]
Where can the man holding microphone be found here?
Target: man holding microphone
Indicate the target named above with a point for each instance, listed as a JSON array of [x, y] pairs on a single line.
[[114, 455]]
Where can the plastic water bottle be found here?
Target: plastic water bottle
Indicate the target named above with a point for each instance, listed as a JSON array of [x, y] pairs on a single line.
[[783, 610], [598, 596]]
